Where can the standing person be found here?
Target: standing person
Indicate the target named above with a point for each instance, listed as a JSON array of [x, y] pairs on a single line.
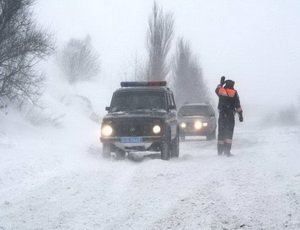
[[229, 104]]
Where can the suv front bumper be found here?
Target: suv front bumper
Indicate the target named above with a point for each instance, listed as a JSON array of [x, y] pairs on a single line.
[[144, 143], [195, 132]]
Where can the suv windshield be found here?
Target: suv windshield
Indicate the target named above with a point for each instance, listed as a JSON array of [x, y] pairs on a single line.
[[194, 111], [128, 101]]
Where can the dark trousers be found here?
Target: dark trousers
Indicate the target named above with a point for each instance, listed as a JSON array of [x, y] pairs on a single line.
[[226, 125], [225, 131]]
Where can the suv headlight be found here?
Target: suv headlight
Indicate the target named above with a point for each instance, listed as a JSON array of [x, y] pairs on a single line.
[[106, 130], [198, 125], [156, 129], [205, 124], [183, 125]]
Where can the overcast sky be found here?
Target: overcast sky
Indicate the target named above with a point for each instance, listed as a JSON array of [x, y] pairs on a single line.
[[254, 42]]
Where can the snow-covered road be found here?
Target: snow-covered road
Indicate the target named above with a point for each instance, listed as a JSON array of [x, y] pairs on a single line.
[[49, 179]]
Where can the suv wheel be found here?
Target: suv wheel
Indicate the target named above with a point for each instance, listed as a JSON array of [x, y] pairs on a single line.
[[208, 137], [120, 154], [175, 147], [165, 148], [182, 137], [211, 136], [106, 150], [214, 135]]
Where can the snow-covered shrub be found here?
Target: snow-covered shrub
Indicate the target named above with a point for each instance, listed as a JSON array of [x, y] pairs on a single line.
[[78, 60]]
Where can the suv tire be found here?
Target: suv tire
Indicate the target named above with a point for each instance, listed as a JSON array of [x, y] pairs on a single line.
[[120, 154], [175, 147], [106, 150], [166, 148], [182, 137], [211, 136], [214, 135]]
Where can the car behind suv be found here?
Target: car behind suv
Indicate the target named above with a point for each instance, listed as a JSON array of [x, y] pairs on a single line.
[[197, 119], [142, 116]]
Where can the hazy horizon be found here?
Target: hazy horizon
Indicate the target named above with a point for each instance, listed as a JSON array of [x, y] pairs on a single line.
[[255, 43]]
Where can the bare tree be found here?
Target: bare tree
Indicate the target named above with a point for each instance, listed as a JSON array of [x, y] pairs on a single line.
[[22, 45], [188, 80], [159, 39], [78, 60], [139, 71]]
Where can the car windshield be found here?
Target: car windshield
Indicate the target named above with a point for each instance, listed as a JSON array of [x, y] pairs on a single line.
[[137, 100], [194, 111]]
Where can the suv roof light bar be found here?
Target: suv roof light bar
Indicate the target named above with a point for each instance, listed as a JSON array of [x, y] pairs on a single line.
[[142, 83]]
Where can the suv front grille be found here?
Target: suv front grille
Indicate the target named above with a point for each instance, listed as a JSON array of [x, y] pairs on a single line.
[[134, 127]]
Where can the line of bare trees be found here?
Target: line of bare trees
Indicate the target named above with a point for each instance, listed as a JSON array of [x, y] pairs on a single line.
[[189, 85], [159, 39], [182, 69], [22, 45]]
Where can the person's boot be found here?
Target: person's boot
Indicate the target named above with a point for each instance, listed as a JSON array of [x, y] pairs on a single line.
[[220, 148], [227, 149]]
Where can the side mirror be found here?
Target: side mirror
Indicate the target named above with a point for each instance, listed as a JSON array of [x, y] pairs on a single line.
[[107, 108]]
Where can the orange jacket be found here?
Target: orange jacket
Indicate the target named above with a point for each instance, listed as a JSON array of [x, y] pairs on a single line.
[[228, 99]]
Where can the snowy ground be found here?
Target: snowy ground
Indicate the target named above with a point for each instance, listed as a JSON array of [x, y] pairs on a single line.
[[54, 178]]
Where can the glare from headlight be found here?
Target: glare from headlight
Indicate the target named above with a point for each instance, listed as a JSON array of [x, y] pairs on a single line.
[[198, 125], [156, 129], [205, 124], [183, 125], [107, 130]]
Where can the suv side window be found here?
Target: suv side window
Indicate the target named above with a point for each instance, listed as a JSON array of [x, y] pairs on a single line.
[[171, 103], [211, 111]]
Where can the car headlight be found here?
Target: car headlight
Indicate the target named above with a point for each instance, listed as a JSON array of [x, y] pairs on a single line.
[[198, 125], [183, 125], [106, 130], [205, 124], [156, 129]]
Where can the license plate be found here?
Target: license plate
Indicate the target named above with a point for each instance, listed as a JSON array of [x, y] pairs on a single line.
[[133, 140]]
